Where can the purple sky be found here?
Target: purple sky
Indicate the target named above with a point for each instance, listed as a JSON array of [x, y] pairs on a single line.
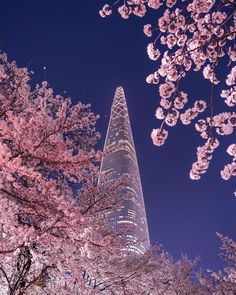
[[88, 57]]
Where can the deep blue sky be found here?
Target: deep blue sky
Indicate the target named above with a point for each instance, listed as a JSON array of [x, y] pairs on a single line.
[[88, 57]]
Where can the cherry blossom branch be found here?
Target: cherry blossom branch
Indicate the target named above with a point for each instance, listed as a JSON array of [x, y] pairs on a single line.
[[186, 52], [5, 275], [39, 277]]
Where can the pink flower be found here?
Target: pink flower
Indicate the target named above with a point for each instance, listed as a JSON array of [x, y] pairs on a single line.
[[231, 78], [228, 171], [231, 150], [106, 10], [225, 129], [229, 96], [164, 21], [194, 175], [147, 29], [218, 17], [173, 28], [180, 100], [159, 113], [102, 13], [153, 78], [3, 74], [204, 155], [124, 11], [155, 4], [201, 125], [232, 54], [166, 90], [170, 3], [165, 103], [209, 74], [192, 113], [187, 64], [159, 136], [201, 6], [171, 40], [139, 10], [172, 117], [167, 65], [188, 116], [153, 53], [218, 31], [200, 106]]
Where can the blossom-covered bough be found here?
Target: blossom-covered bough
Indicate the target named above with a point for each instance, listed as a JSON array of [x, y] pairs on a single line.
[[223, 282], [199, 36]]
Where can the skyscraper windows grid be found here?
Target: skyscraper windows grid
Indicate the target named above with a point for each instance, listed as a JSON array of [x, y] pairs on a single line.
[[122, 159]]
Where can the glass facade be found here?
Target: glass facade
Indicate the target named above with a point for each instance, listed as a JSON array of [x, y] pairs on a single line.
[[121, 158]]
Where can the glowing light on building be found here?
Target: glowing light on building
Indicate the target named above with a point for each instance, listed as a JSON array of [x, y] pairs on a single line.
[[121, 158]]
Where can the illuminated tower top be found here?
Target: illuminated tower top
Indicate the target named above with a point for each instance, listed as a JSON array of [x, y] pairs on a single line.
[[121, 158]]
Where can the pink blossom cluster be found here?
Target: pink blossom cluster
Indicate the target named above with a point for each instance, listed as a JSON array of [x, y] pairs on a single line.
[[231, 78], [172, 117], [202, 127], [223, 124], [229, 96], [169, 110], [155, 4], [166, 90], [200, 6], [208, 73], [105, 11], [232, 54], [153, 78], [192, 113], [167, 68], [230, 169], [204, 155], [147, 29], [132, 7], [196, 35], [159, 136], [124, 11], [153, 52], [135, 7], [223, 281], [181, 100]]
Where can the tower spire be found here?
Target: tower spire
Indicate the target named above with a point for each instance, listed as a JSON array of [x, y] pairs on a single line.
[[119, 106], [121, 158]]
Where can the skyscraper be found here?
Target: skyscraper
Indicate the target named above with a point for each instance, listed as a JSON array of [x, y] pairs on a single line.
[[121, 158]]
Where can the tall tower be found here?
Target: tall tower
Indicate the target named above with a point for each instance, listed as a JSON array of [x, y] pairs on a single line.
[[121, 158]]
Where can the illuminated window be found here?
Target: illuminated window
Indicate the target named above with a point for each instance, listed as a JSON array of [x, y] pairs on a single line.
[[127, 221]]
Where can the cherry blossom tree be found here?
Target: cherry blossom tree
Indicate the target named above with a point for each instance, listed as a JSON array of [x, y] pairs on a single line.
[[52, 213], [191, 36], [156, 273], [153, 273], [223, 282]]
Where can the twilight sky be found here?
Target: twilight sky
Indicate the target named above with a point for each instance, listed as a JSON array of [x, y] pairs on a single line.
[[88, 57]]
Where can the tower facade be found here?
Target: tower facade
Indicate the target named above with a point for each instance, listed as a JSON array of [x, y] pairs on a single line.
[[121, 158]]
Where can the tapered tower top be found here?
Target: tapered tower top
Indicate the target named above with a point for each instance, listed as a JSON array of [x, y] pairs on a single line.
[[119, 106]]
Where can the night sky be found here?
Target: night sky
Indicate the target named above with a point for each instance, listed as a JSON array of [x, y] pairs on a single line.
[[88, 57]]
